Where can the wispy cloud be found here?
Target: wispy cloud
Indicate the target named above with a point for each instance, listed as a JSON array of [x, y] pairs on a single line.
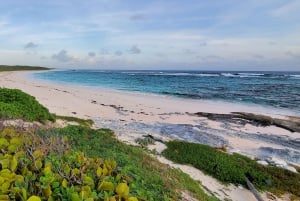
[[30, 45], [104, 51], [189, 52], [137, 17], [135, 50], [258, 56], [92, 54], [292, 54], [212, 58], [287, 9], [118, 53]]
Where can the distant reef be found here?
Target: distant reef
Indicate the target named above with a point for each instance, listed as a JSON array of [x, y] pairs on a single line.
[[21, 68]]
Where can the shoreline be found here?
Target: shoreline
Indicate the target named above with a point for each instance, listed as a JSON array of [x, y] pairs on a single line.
[[131, 116], [212, 106]]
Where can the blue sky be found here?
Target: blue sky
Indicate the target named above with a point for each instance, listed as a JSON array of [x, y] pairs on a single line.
[[157, 34]]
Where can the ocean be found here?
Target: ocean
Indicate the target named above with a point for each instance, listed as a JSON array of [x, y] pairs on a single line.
[[280, 90]]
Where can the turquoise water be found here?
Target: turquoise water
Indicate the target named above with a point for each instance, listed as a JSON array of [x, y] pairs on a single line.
[[276, 89]]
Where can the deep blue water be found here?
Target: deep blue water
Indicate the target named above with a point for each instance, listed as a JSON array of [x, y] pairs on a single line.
[[277, 89]]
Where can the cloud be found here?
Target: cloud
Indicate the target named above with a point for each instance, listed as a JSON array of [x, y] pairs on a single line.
[[292, 54], [153, 28], [203, 44], [288, 9], [92, 54], [189, 52], [118, 53], [211, 58], [160, 55], [62, 56], [135, 50], [214, 58], [104, 52], [137, 17], [257, 56], [30, 45]]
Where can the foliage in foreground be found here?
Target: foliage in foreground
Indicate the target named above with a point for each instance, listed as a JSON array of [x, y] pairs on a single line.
[[152, 180], [15, 104], [233, 168], [46, 168], [64, 164], [21, 68]]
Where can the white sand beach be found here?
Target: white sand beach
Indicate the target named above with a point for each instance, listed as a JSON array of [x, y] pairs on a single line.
[[120, 108]]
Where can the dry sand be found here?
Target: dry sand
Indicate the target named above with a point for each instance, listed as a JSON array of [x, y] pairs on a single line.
[[126, 107]]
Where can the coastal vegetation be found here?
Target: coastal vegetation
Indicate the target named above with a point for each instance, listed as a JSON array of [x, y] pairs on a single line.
[[150, 180], [81, 163], [83, 122], [15, 104], [21, 68], [45, 167], [144, 142], [233, 168], [77, 162]]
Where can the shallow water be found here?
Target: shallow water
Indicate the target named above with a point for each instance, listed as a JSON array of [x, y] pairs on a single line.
[[280, 90]]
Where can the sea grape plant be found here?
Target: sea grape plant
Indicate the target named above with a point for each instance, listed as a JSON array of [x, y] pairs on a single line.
[[36, 168]]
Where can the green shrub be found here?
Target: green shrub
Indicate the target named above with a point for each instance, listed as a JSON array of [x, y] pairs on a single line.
[[233, 168], [45, 168], [152, 180], [16, 104], [148, 186], [145, 141]]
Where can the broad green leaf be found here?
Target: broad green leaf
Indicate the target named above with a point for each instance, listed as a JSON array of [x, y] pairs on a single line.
[[34, 198], [106, 186], [122, 190]]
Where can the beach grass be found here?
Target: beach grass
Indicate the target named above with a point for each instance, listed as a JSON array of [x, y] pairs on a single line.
[[82, 122], [15, 104], [21, 68], [233, 168]]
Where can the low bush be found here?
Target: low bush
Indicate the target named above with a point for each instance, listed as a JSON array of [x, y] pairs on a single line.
[[233, 168], [15, 104], [152, 180], [39, 167]]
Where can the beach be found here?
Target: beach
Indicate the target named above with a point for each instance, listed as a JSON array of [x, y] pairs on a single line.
[[132, 115]]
